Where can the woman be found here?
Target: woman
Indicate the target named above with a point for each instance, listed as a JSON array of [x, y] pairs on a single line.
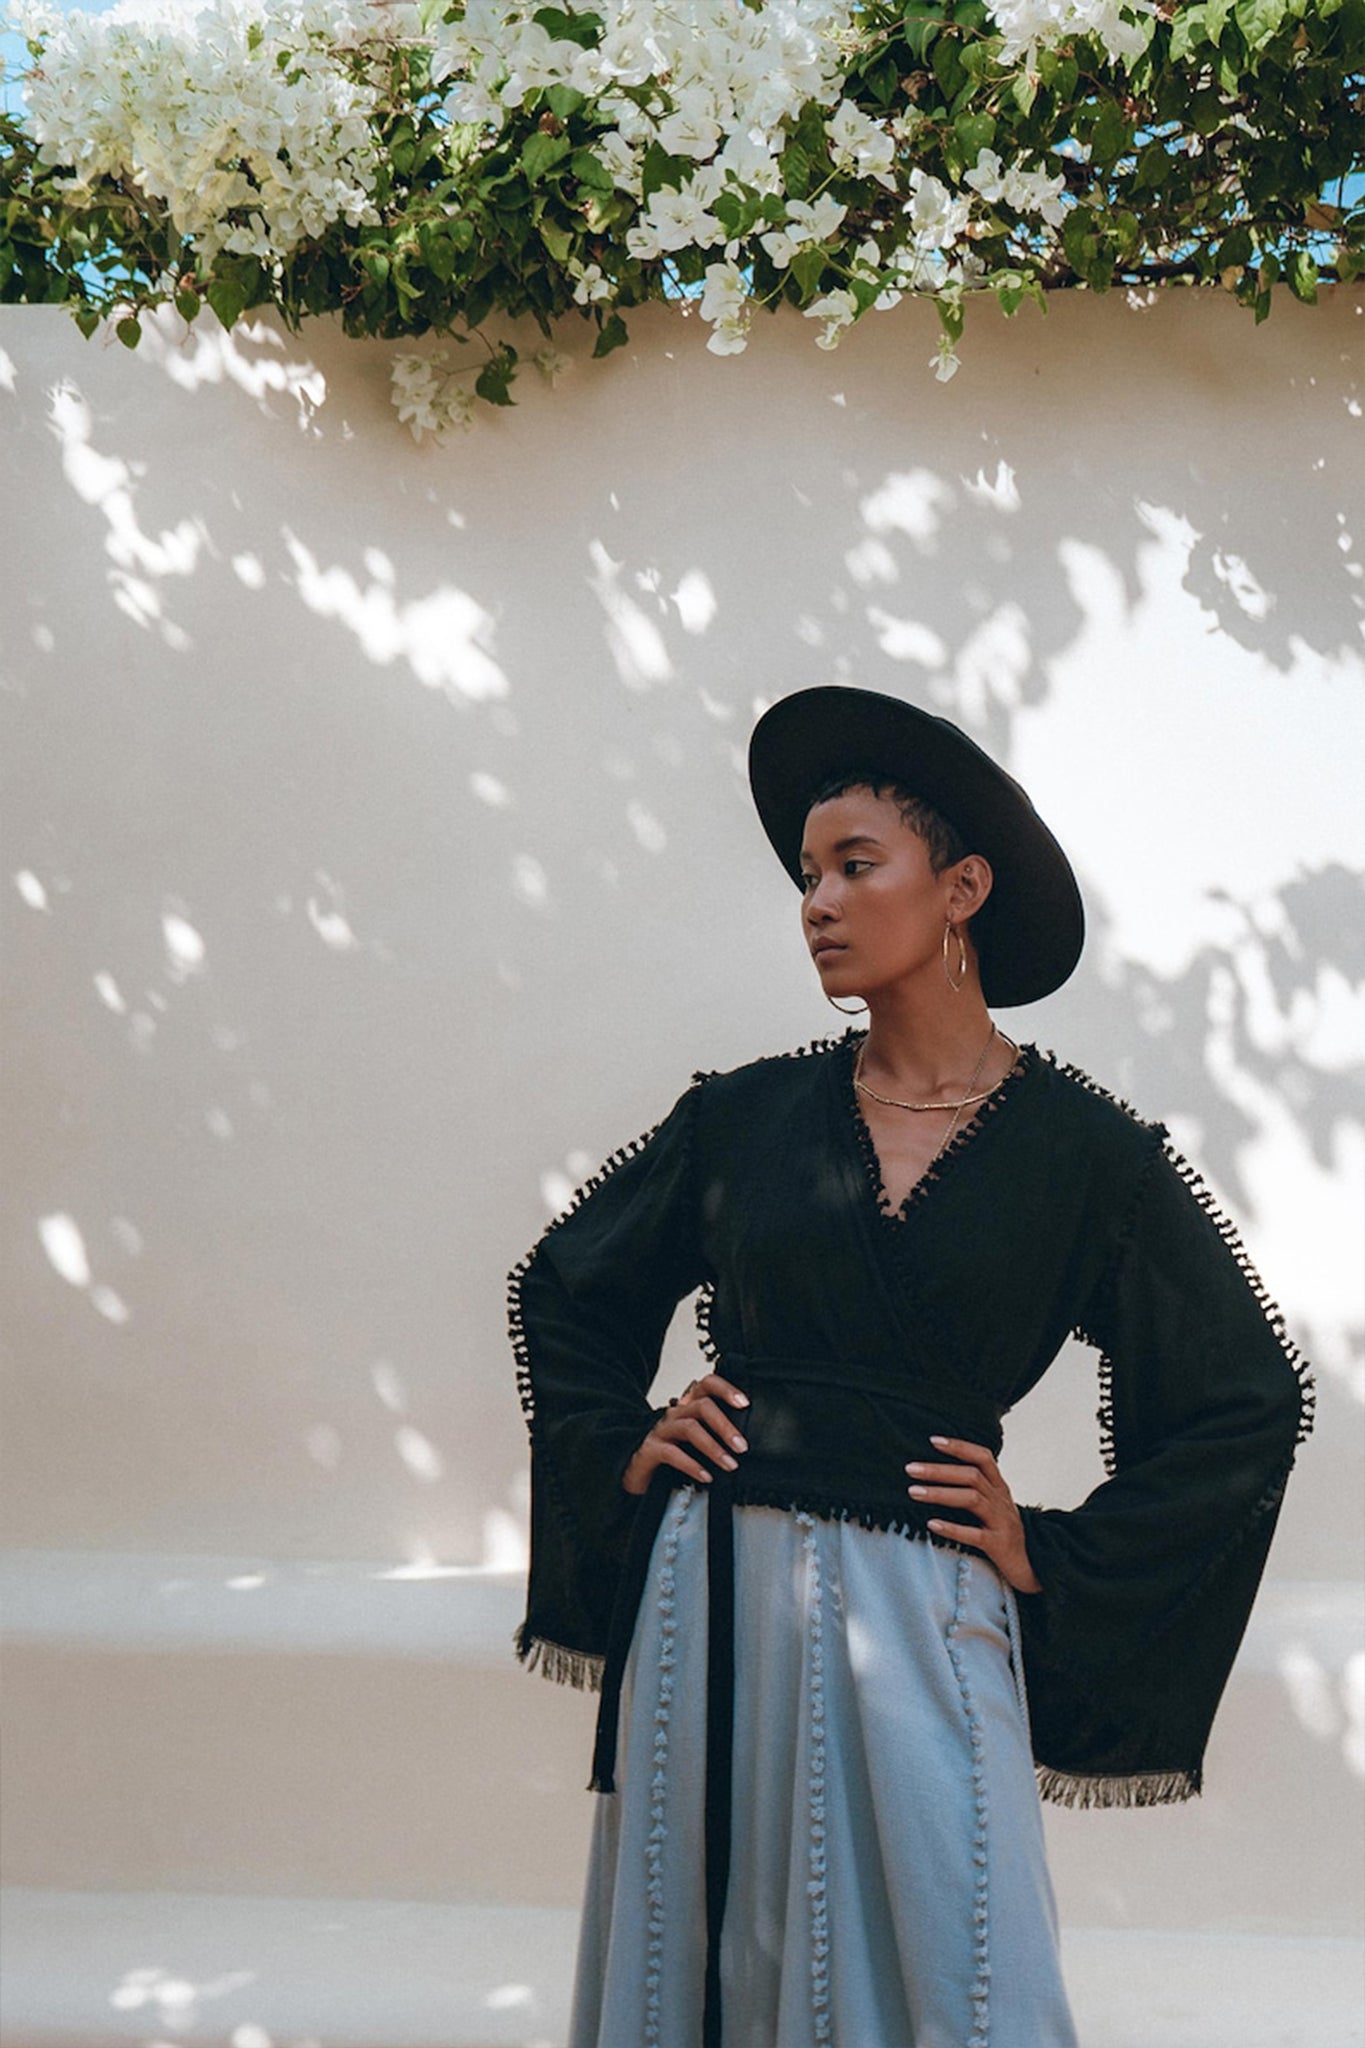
[[819, 1738]]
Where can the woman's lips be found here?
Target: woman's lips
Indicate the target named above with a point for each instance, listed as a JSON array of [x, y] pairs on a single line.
[[825, 949]]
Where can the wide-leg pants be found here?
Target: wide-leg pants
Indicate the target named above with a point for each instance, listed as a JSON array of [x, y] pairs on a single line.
[[888, 1886]]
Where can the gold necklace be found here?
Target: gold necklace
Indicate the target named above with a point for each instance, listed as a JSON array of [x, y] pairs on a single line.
[[965, 1102]]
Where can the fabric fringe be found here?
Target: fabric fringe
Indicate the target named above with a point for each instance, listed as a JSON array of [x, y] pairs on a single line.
[[706, 1343], [1104, 1414], [560, 1665], [981, 1917], [961, 1139], [1273, 1314], [816, 1886], [563, 1665], [516, 1325], [1142, 1788], [1227, 1230], [658, 1813]]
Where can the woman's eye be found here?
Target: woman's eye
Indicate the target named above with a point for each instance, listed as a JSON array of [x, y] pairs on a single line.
[[851, 865], [807, 884]]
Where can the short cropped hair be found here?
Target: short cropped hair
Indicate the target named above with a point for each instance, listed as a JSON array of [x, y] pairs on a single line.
[[941, 837]]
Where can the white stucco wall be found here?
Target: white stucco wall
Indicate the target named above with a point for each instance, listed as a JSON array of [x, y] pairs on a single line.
[[377, 856]]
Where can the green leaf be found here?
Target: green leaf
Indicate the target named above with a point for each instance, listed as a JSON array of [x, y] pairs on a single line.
[[921, 23], [977, 59], [948, 67], [882, 79], [1024, 91], [227, 297], [807, 267], [540, 153], [1080, 241], [439, 254], [1060, 74], [660, 169], [590, 171], [128, 332], [974, 132], [557, 240], [187, 304], [613, 335], [565, 27], [738, 212], [1260, 20], [1187, 31], [796, 171], [1111, 136], [1302, 276], [494, 378], [1153, 168], [563, 101], [1127, 232], [1235, 248]]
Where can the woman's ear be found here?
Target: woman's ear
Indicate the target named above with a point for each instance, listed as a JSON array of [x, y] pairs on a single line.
[[969, 884]]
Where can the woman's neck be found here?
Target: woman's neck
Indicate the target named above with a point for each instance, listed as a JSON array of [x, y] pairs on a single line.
[[923, 1045]]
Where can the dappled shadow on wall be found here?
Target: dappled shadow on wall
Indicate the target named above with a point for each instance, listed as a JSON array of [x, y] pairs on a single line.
[[439, 752]]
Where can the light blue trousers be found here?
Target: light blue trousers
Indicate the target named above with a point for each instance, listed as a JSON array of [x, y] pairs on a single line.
[[889, 1885]]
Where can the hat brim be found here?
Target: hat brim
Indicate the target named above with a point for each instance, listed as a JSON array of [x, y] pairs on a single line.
[[1030, 932]]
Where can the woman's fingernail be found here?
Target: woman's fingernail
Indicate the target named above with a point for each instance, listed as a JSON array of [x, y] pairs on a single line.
[[728, 1462], [741, 1400], [940, 1439], [914, 1468], [739, 1443], [918, 1491]]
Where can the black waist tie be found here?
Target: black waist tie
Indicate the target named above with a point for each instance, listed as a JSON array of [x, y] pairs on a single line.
[[823, 1435]]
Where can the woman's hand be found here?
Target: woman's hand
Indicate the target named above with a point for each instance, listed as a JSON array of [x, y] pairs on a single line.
[[698, 1420], [981, 1490]]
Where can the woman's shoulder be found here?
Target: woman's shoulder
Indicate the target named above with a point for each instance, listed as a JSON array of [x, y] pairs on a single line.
[[773, 1073], [1095, 1114]]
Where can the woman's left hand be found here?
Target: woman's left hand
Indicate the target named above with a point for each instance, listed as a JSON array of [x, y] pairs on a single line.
[[981, 1490]]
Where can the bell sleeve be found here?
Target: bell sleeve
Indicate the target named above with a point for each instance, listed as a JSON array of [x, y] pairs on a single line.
[[588, 1310], [1148, 1584]]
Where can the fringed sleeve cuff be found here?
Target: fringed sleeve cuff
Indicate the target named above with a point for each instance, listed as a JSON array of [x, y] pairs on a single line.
[[588, 1310]]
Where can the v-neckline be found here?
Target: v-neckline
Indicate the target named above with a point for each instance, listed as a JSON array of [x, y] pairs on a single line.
[[960, 1142]]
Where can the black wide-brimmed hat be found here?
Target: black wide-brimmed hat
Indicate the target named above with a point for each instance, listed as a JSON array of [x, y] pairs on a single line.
[[1030, 931]]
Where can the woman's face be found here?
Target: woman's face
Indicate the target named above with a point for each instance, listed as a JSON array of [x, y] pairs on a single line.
[[873, 909]]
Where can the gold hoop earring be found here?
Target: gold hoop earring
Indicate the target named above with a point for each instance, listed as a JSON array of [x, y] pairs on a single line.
[[960, 983], [861, 1011]]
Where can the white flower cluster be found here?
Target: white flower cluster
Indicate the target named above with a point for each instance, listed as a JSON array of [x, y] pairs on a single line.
[[719, 81], [1028, 24], [258, 124], [730, 68], [250, 120], [1026, 191], [428, 396], [432, 396]]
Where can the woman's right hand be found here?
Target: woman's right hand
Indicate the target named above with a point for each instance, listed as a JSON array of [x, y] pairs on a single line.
[[697, 1420]]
